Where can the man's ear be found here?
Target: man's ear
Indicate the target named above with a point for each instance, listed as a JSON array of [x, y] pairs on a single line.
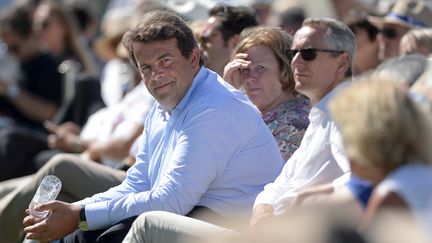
[[194, 58], [233, 41], [344, 62]]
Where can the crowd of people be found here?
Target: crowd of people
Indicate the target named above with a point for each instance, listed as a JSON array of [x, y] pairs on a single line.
[[260, 123]]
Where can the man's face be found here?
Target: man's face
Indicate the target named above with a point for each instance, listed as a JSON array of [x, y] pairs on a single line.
[[314, 78], [389, 38], [165, 72], [216, 52], [366, 57]]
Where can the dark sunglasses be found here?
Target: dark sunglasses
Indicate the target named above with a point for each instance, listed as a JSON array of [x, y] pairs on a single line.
[[389, 33], [309, 54]]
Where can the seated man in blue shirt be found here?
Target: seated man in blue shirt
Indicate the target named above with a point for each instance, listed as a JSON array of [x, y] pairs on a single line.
[[204, 143]]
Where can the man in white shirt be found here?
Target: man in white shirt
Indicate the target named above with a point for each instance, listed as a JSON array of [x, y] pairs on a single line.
[[322, 54]]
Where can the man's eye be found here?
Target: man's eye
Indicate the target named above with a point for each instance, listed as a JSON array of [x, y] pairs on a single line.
[[146, 70], [166, 61]]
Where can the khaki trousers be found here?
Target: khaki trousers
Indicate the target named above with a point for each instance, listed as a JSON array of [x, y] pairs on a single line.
[[159, 226]]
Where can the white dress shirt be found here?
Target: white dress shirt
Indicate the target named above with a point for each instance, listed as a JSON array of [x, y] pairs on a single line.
[[119, 120], [212, 150], [319, 159]]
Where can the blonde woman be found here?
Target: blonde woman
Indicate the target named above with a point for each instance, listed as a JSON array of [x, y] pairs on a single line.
[[387, 138]]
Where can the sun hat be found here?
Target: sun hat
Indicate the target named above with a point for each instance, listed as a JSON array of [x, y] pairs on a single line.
[[408, 13]]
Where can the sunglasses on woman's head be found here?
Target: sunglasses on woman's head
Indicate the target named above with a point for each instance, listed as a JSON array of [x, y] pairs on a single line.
[[309, 54]]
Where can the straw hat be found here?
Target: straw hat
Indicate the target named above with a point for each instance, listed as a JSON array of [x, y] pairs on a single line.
[[409, 13]]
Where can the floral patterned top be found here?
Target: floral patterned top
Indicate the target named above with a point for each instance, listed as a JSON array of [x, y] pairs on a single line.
[[288, 123]]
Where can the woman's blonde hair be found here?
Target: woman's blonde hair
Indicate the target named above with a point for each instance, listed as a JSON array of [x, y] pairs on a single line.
[[279, 41], [381, 125]]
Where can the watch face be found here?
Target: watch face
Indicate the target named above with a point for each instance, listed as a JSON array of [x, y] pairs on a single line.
[[82, 225]]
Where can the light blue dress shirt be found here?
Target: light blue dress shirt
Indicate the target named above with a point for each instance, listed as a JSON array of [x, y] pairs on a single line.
[[213, 150]]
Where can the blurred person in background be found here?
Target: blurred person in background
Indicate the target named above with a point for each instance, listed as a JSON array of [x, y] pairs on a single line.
[[397, 163], [417, 41], [37, 97], [221, 34], [57, 28], [366, 41], [105, 137], [342, 7], [292, 19], [261, 67], [87, 21], [30, 102], [118, 75], [262, 9], [404, 15]]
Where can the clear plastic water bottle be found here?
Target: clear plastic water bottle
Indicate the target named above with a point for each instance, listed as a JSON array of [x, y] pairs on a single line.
[[47, 191]]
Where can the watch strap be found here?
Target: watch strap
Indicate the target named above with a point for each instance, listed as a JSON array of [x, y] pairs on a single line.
[[82, 223]]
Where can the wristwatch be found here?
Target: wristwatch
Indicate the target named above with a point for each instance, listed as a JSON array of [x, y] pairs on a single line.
[[82, 223]]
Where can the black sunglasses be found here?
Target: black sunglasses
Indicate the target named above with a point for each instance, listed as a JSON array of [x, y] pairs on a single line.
[[389, 33], [309, 54]]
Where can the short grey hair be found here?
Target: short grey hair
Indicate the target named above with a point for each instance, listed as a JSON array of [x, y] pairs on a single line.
[[338, 37]]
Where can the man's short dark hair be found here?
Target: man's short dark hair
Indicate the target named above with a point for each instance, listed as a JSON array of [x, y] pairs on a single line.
[[160, 25], [18, 20], [234, 19]]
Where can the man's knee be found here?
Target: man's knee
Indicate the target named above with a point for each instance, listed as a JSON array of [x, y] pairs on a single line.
[[59, 165], [148, 220], [146, 228]]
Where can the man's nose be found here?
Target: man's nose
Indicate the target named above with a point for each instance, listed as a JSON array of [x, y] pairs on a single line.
[[296, 60]]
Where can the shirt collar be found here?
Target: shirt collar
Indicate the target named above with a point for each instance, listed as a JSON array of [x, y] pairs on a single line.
[[323, 103], [196, 82]]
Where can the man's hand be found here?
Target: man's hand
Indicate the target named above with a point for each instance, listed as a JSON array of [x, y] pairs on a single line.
[[232, 71], [62, 220], [64, 136], [260, 213]]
